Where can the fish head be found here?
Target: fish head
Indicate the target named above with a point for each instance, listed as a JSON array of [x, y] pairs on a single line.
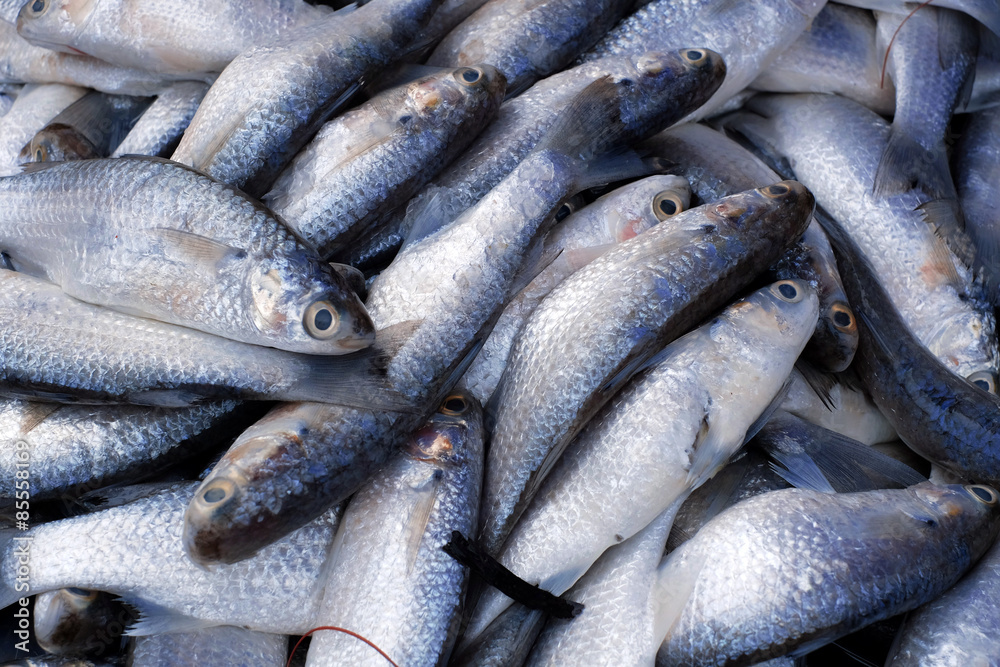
[[313, 311], [779, 212], [445, 438], [972, 509], [57, 143], [788, 308], [478, 89], [655, 78], [54, 23], [658, 198], [66, 618]]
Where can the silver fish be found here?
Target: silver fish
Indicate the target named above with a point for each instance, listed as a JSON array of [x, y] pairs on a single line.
[[135, 552], [160, 128], [407, 598], [977, 167], [671, 428], [617, 216], [35, 106], [621, 308], [372, 159], [155, 238], [74, 621], [298, 79], [222, 646], [528, 40], [811, 567], [174, 37]]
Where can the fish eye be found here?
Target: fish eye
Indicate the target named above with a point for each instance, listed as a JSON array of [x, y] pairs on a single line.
[[565, 211], [776, 190], [985, 380], [37, 7], [788, 290], [82, 593], [666, 204], [694, 56], [984, 494], [218, 491], [454, 405], [469, 76], [321, 320], [41, 155], [843, 317]]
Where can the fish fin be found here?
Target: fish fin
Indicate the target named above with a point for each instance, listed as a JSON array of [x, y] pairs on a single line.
[[123, 493], [518, 88], [904, 164], [671, 591], [36, 414], [186, 245], [596, 106], [356, 381], [945, 219], [426, 493], [820, 382], [35, 167], [577, 258], [155, 619], [425, 216], [535, 261], [796, 467], [718, 439], [775, 403], [616, 165], [166, 398]]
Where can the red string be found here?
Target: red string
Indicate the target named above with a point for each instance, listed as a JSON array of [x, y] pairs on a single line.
[[885, 61], [348, 632]]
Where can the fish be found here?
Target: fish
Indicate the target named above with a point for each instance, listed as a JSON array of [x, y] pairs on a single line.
[[441, 295], [407, 600], [975, 171], [836, 54], [159, 129], [219, 646], [158, 239], [91, 127], [57, 348], [812, 567], [74, 621], [134, 551], [179, 38], [527, 40], [299, 79], [668, 430], [372, 159], [648, 291], [35, 106], [615, 217]]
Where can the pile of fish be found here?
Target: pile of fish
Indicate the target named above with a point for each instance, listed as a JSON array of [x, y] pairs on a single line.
[[473, 332]]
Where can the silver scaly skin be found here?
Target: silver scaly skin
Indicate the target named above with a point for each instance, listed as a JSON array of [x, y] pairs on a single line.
[[977, 170], [617, 216], [390, 581], [24, 62], [73, 449], [668, 430], [135, 552], [749, 35], [834, 145], [372, 159], [986, 12], [616, 626], [666, 86], [620, 308], [223, 646], [160, 128], [297, 79], [811, 567], [442, 292], [958, 629], [178, 37], [55, 347], [717, 166], [152, 237], [528, 40], [35, 106], [836, 54]]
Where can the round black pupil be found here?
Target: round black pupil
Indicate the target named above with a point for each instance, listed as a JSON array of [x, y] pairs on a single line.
[[214, 495], [982, 384], [787, 291], [563, 212], [841, 319], [323, 320], [694, 55], [778, 189], [79, 591], [983, 494], [470, 75], [454, 405], [38, 154], [668, 206], [38, 5]]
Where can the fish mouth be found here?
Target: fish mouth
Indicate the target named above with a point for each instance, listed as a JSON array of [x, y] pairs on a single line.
[[355, 343]]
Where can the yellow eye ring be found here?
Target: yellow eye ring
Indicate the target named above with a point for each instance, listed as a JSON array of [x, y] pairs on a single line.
[[469, 76], [987, 495], [454, 405], [788, 290], [321, 320], [666, 204]]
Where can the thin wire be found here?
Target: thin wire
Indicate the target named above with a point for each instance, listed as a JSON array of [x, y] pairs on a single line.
[[348, 632]]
